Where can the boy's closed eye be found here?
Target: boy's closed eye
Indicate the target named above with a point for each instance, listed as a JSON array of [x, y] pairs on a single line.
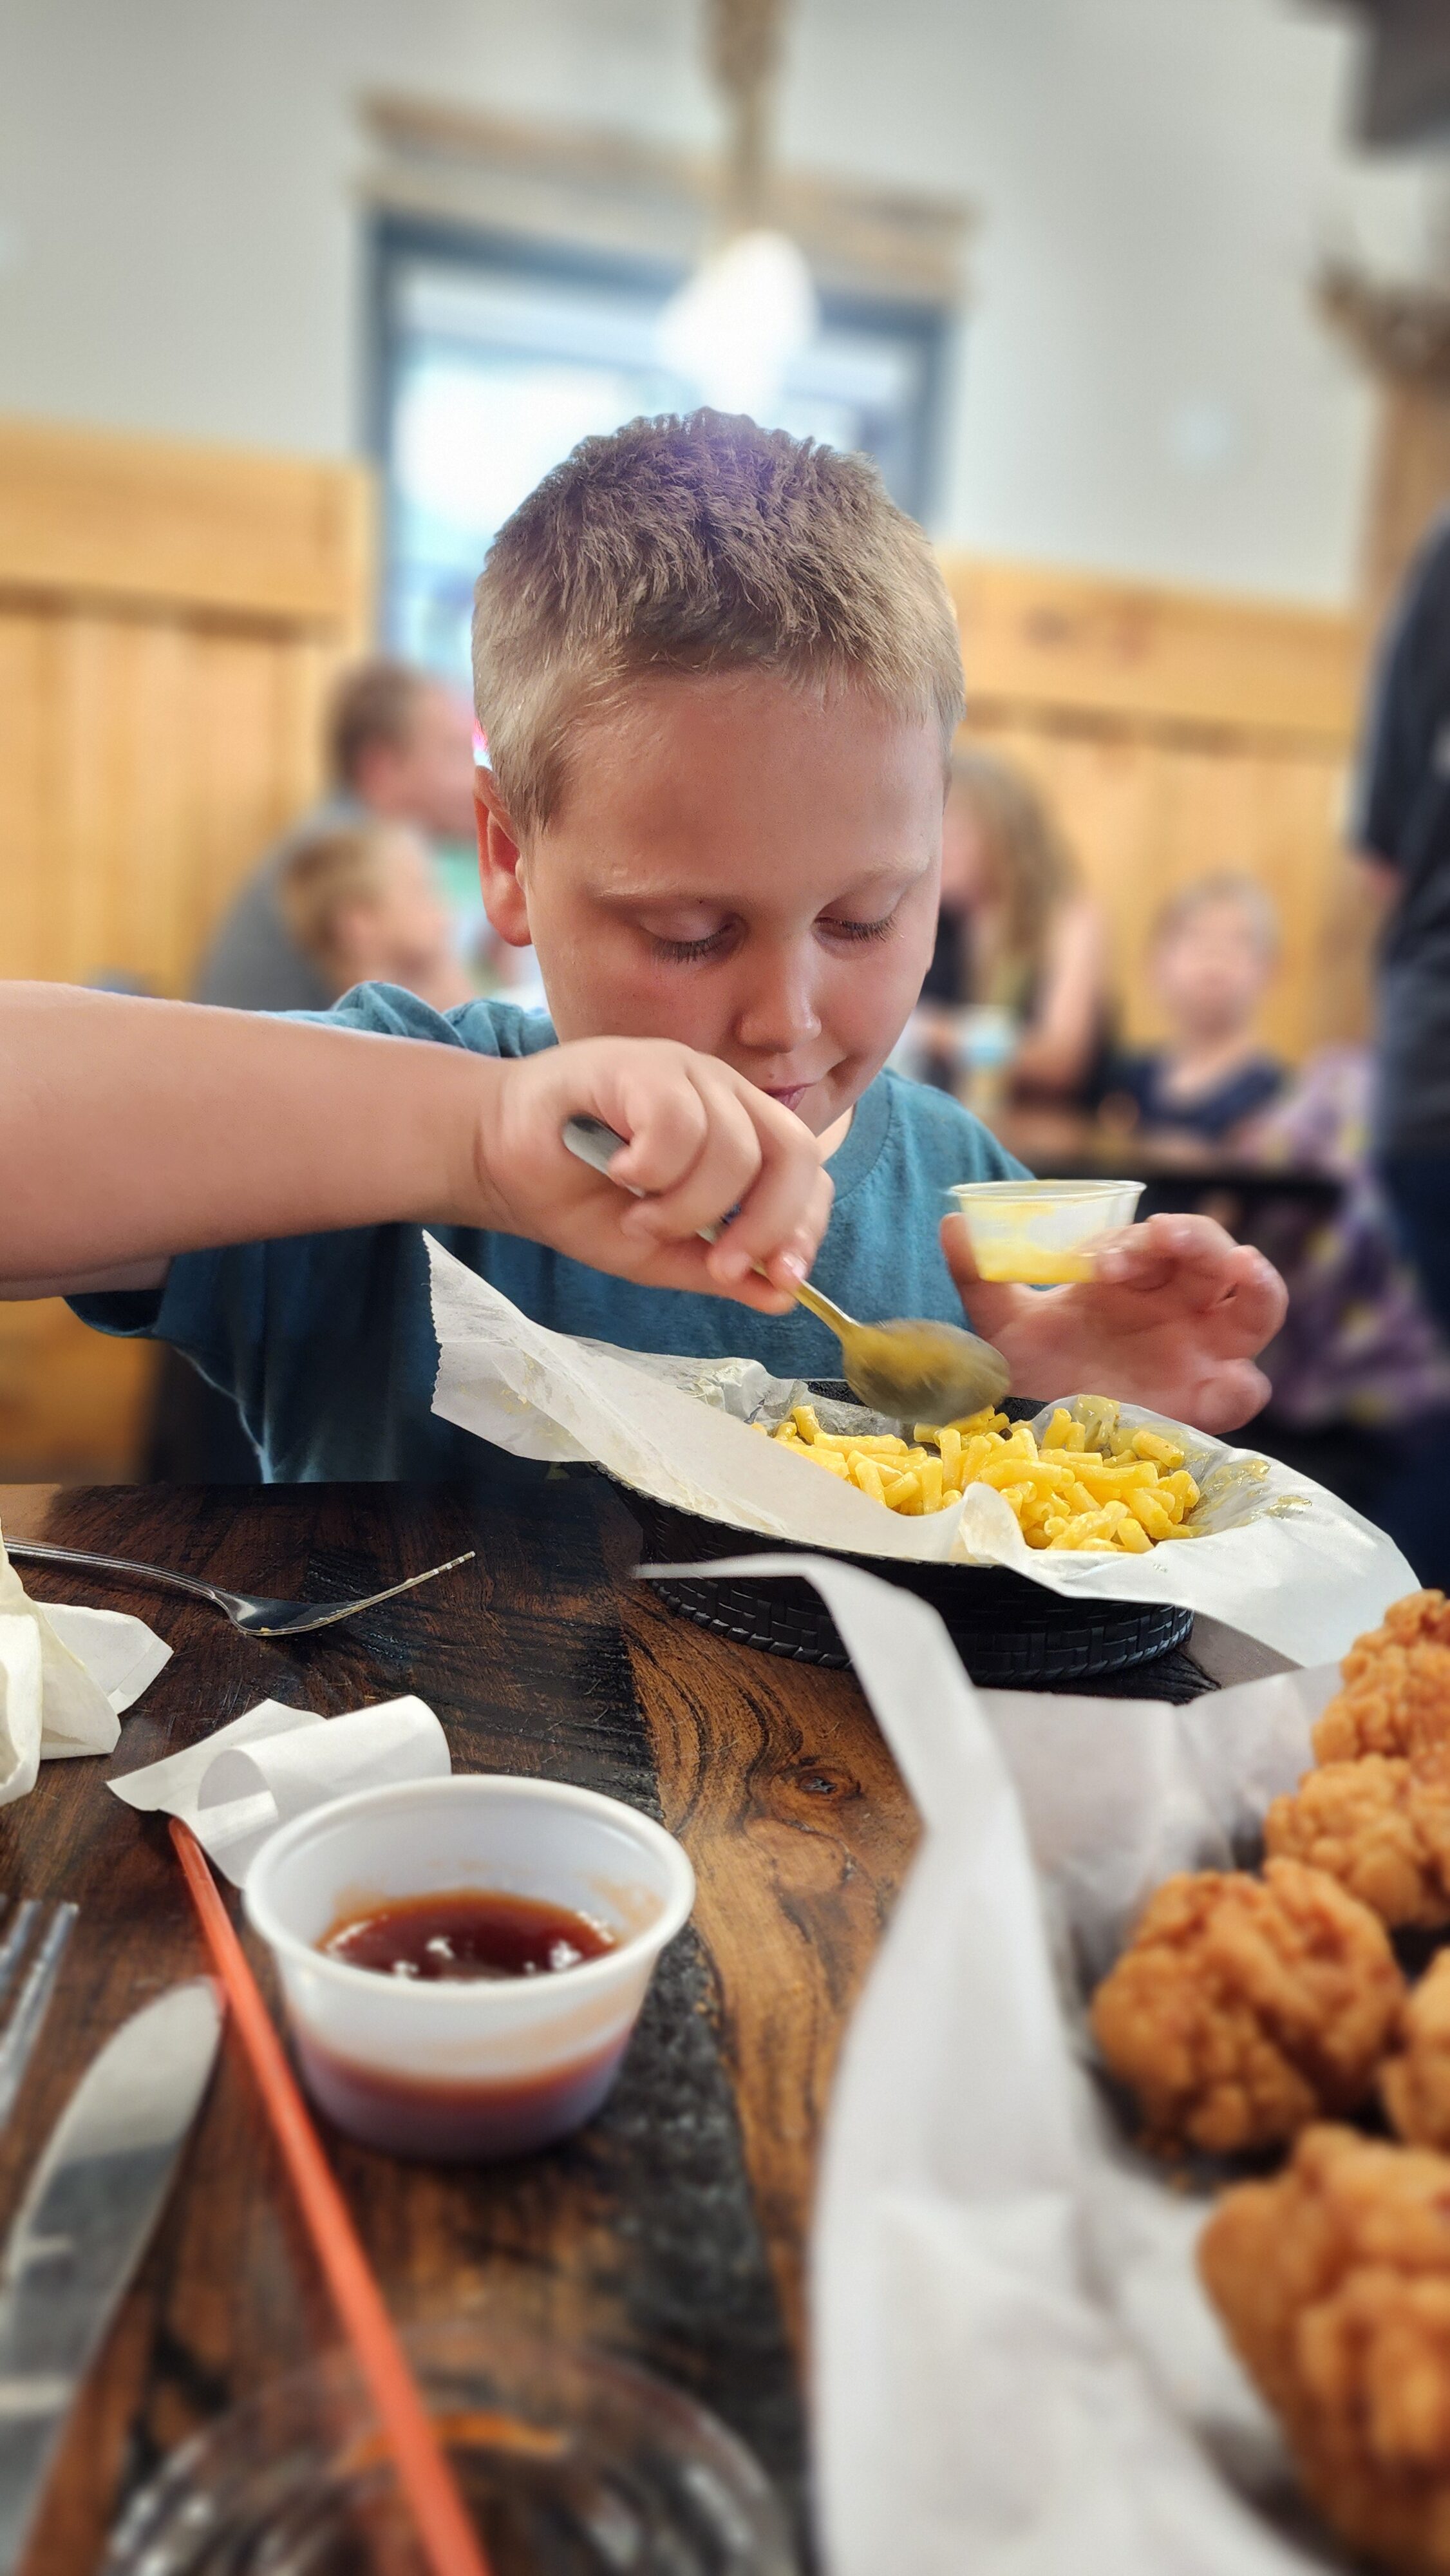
[[675, 947]]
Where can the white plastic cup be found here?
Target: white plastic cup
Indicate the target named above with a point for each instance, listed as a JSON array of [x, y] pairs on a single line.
[[1041, 1232], [470, 2070]]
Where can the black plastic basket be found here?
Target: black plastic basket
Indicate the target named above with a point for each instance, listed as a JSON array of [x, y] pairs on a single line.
[[1007, 1630]]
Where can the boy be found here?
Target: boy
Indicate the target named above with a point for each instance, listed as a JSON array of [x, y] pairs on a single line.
[[362, 905], [1214, 948], [719, 675]]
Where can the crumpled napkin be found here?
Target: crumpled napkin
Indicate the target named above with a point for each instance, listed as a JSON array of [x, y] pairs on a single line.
[[66, 1678], [239, 1784]]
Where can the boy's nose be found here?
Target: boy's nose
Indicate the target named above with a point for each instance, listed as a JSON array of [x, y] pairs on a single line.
[[777, 1011]]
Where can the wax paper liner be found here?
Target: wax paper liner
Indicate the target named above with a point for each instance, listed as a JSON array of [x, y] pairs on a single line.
[[1277, 1557], [1015, 2370]]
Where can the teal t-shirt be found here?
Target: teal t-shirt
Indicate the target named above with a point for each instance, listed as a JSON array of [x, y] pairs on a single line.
[[326, 1340]]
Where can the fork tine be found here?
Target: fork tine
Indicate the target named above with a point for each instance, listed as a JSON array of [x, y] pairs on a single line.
[[12, 1948], [330, 1612], [23, 2028]]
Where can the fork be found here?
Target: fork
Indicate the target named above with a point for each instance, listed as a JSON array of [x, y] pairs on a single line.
[[30, 1954], [250, 1611]]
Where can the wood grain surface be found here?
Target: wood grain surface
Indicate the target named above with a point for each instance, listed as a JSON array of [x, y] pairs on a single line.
[[672, 2229]]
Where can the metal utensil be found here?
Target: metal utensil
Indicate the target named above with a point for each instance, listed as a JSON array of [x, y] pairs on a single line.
[[914, 1371], [31, 1941], [94, 2199], [253, 1611]]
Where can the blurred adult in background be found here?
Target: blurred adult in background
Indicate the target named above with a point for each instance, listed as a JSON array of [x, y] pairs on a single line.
[[400, 750], [1213, 951], [1017, 934], [1403, 829], [362, 905]]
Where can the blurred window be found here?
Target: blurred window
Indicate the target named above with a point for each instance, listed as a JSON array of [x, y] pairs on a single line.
[[493, 356]]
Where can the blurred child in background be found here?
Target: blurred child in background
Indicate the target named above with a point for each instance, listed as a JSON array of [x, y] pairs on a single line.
[[1017, 934], [363, 906], [1213, 954]]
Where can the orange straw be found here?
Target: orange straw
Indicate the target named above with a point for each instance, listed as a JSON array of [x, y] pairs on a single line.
[[448, 2537]]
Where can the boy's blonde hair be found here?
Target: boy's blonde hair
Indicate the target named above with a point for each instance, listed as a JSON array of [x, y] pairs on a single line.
[[326, 871], [691, 546], [1226, 885]]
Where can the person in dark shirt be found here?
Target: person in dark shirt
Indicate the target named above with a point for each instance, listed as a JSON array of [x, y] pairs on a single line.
[[1402, 826], [1214, 950]]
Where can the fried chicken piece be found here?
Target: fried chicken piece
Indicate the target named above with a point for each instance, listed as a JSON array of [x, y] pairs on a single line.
[[1244, 2008], [1376, 1827], [1396, 1695], [1333, 2281], [1415, 2082]]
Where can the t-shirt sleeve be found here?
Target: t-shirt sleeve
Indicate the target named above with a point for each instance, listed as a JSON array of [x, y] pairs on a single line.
[[1409, 701]]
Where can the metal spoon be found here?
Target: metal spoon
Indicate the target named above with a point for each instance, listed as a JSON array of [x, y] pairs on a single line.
[[912, 1370]]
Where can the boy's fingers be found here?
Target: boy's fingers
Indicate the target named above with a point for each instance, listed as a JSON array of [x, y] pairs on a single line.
[[956, 1243], [722, 1171], [1230, 1398], [784, 1214], [1146, 1256], [665, 1123], [1257, 1303], [990, 1309], [1204, 1264]]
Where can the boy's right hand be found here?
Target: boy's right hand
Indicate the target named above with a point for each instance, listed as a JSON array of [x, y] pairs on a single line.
[[701, 1141]]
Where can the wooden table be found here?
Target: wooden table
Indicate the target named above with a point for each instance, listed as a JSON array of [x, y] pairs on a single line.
[[672, 2229]]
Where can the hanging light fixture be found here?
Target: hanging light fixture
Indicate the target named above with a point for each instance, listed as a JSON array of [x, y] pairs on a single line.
[[734, 327]]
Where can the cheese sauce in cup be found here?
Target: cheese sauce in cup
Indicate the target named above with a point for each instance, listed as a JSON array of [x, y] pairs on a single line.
[[1042, 1233]]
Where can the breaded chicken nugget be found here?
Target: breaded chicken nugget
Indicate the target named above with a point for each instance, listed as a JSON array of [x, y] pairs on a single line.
[[1396, 1695], [1415, 2082], [1333, 2281], [1242, 2009], [1373, 1826]]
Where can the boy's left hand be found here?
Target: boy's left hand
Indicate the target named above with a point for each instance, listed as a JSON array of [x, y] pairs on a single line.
[[1173, 1319]]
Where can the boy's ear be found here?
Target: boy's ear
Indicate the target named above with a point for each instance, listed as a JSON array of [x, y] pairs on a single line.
[[498, 864]]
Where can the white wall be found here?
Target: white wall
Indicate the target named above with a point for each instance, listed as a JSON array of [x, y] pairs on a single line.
[[1142, 385]]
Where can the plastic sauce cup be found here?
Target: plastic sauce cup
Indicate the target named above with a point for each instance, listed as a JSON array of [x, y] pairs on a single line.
[[1042, 1232], [479, 2068]]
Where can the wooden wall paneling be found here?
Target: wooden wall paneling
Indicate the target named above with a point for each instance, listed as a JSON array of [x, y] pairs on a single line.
[[170, 620], [1085, 643], [22, 802], [208, 530]]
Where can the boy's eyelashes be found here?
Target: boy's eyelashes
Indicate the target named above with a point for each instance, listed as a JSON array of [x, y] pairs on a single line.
[[682, 951]]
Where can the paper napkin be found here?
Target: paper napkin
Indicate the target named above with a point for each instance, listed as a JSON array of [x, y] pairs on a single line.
[[238, 1785], [66, 1677]]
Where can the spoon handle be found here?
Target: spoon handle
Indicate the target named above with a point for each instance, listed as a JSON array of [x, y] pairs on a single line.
[[833, 1317]]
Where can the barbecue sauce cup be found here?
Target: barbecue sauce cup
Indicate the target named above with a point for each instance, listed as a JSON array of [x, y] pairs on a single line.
[[462, 2066]]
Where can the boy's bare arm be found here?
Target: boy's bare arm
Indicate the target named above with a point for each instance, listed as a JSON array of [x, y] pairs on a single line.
[[134, 1130]]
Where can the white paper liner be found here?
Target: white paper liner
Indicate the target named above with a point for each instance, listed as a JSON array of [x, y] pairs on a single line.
[[66, 1678], [240, 1783], [1279, 1559], [1015, 2370]]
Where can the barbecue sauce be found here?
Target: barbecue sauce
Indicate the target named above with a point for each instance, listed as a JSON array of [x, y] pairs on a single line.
[[466, 1934], [463, 1935]]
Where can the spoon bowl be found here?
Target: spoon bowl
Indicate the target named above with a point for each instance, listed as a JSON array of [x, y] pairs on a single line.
[[916, 1371]]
